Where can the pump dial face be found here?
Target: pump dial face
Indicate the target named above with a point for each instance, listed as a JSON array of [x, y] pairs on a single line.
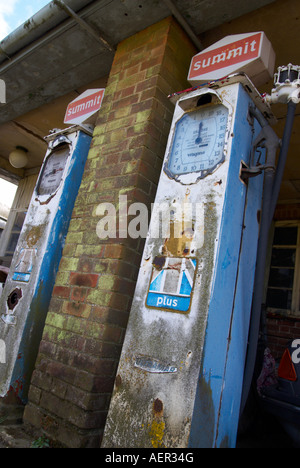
[[53, 171], [198, 142]]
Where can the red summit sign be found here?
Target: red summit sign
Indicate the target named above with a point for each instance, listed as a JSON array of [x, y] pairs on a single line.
[[250, 53], [84, 107]]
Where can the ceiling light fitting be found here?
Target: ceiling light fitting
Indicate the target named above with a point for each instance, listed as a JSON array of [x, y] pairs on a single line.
[[18, 157]]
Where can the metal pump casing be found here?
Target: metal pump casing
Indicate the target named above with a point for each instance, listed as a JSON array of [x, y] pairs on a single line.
[[180, 375], [28, 288]]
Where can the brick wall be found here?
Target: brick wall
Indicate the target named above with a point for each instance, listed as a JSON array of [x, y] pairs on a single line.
[[75, 369], [280, 331], [287, 212]]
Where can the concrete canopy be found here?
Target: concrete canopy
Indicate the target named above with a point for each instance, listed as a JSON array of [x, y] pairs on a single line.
[[52, 54], [67, 45]]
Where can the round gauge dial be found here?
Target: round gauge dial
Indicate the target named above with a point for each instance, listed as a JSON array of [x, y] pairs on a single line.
[[198, 142], [53, 171]]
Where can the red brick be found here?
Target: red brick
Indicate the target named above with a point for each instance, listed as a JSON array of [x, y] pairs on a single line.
[[113, 251], [61, 291], [87, 280], [112, 334], [124, 286], [61, 371], [78, 309], [103, 384], [56, 304], [128, 101], [109, 315], [94, 365], [146, 84], [127, 91], [78, 294], [119, 302], [48, 349], [86, 265]]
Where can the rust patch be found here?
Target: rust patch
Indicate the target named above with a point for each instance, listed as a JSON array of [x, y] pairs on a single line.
[[34, 235], [13, 298], [158, 407], [178, 246], [159, 263], [157, 429], [47, 201]]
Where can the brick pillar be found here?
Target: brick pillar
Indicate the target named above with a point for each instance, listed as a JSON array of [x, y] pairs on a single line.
[[82, 340]]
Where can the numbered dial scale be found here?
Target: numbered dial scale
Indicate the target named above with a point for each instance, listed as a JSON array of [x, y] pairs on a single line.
[[53, 170], [198, 142]]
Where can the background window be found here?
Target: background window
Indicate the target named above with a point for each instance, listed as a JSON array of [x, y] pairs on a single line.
[[283, 290]]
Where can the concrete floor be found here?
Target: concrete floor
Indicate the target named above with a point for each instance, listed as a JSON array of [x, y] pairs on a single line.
[[264, 432], [15, 436]]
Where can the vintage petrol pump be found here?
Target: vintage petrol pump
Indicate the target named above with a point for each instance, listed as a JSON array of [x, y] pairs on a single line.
[[180, 376], [28, 288], [25, 299]]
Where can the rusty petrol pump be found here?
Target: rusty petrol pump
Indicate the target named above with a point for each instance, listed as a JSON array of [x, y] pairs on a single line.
[[25, 299], [180, 376]]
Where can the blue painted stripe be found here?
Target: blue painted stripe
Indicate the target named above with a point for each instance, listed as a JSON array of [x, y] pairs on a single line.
[[221, 423]]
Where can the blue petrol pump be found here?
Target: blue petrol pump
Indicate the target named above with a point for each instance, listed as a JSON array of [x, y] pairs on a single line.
[[28, 288], [180, 378]]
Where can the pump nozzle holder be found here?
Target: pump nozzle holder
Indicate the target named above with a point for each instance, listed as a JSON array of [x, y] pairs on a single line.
[[286, 86]]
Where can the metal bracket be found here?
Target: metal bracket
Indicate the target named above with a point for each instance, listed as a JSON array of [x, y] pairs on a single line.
[[249, 172]]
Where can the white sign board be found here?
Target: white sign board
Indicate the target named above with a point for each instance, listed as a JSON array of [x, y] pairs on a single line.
[[85, 107], [250, 53]]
